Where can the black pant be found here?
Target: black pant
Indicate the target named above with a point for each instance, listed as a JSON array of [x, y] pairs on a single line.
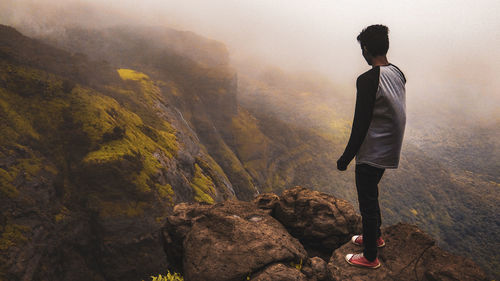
[[367, 179]]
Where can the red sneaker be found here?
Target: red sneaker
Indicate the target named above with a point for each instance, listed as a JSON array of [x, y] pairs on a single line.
[[361, 261], [358, 240]]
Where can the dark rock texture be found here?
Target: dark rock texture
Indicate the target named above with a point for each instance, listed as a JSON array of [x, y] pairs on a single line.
[[315, 269], [320, 221], [230, 241], [409, 254], [279, 272], [267, 201], [177, 227]]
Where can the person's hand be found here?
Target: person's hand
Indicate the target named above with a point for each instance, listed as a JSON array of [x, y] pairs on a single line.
[[342, 164]]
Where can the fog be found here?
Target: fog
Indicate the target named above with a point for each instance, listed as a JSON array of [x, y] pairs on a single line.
[[449, 50]]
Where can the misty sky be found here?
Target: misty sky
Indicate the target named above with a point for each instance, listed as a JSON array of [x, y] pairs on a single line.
[[449, 50]]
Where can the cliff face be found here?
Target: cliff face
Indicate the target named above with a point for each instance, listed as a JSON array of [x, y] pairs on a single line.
[[93, 158], [193, 75], [96, 152], [257, 153]]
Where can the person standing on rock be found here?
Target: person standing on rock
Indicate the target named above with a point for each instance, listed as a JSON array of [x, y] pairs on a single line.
[[376, 136]]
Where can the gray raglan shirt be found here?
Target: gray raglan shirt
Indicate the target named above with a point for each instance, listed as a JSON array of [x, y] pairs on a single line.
[[379, 118]]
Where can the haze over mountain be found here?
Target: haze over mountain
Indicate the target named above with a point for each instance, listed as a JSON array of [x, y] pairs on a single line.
[[258, 112], [436, 43]]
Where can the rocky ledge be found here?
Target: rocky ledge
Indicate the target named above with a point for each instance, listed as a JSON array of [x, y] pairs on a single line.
[[300, 235]]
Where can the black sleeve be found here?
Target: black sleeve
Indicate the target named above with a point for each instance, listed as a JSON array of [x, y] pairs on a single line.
[[366, 90]]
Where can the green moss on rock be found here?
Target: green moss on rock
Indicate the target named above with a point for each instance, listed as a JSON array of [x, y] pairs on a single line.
[[104, 141], [12, 235], [6, 186], [203, 186]]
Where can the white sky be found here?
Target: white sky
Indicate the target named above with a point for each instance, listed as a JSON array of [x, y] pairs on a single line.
[[445, 48]]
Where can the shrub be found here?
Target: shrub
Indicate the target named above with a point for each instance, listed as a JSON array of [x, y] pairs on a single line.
[[169, 277]]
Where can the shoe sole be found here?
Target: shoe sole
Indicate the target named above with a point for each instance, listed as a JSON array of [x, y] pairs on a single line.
[[362, 266], [357, 244]]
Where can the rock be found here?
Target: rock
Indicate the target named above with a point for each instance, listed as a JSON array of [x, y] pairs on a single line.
[[177, 227], [280, 272], [229, 241], [320, 221], [237, 240], [267, 201], [409, 254], [315, 269]]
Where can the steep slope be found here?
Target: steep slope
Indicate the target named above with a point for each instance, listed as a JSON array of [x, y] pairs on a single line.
[[90, 165], [257, 152], [205, 89]]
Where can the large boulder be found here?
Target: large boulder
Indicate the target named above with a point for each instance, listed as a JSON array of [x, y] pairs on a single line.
[[320, 221], [231, 240], [409, 254], [177, 227]]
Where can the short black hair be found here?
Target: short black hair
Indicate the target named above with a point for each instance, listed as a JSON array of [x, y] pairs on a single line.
[[375, 38]]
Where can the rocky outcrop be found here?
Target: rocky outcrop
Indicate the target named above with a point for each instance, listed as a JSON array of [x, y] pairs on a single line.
[[265, 240], [320, 221], [229, 241], [409, 254]]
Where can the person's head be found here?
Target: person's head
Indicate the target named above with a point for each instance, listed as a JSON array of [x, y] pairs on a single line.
[[374, 41]]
